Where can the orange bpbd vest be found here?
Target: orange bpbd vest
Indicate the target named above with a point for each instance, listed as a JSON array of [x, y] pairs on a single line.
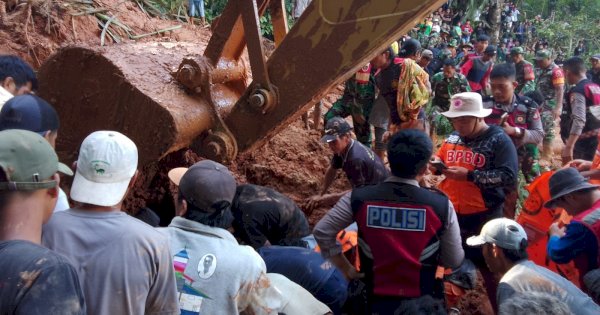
[[536, 220]]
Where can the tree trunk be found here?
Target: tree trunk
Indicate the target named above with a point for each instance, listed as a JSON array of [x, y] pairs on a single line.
[[495, 23]]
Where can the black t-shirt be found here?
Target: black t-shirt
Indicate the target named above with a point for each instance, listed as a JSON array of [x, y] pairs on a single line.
[[36, 280], [262, 214], [361, 165]]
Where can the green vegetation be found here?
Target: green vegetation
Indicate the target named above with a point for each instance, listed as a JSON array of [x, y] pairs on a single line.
[[565, 22]]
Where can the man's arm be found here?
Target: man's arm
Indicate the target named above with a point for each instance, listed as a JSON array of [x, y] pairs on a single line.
[[328, 180], [504, 171], [578, 117], [162, 298], [326, 230], [558, 81], [56, 290], [452, 253], [575, 242], [466, 67], [535, 133]]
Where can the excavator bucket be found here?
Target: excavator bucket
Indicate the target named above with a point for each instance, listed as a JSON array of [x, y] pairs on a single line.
[[169, 96]]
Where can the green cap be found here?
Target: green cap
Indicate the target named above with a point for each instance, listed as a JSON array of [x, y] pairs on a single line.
[[453, 43], [28, 161], [517, 51], [543, 54]]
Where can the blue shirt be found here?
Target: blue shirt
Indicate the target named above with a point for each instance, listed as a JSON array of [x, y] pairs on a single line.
[[577, 240]]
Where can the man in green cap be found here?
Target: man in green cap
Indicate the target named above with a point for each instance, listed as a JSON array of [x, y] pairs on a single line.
[[34, 280], [550, 81], [524, 70]]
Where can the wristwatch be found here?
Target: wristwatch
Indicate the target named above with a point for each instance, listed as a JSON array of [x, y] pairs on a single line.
[[518, 132]]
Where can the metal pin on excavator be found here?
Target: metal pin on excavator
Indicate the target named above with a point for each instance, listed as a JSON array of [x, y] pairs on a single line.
[[168, 96]]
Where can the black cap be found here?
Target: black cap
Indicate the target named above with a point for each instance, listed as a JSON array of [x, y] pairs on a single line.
[[490, 50], [335, 127], [28, 112], [565, 182], [483, 38], [410, 47]]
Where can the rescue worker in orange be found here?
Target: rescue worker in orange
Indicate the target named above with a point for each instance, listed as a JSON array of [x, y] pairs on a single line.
[[579, 241], [480, 165]]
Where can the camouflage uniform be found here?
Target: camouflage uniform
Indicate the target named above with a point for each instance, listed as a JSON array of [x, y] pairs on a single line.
[[357, 101], [525, 115], [443, 88], [525, 77], [433, 41], [544, 83]]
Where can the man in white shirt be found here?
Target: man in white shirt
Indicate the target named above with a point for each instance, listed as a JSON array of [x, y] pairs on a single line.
[[504, 245]]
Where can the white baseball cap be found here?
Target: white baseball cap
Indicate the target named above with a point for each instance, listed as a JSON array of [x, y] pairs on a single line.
[[107, 162], [503, 232], [467, 104]]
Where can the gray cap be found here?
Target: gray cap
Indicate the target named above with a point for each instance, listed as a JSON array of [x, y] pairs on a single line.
[[596, 56], [502, 232], [427, 53], [205, 183], [334, 128]]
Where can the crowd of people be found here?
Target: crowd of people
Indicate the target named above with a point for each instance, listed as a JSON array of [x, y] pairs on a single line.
[[420, 109]]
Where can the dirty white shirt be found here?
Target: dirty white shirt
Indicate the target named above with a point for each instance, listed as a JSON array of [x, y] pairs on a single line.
[[4, 96], [216, 275]]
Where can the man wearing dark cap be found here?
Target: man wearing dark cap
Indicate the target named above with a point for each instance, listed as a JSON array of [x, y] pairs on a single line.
[[580, 120], [550, 81], [406, 231], [215, 275], [361, 165], [261, 215], [594, 73], [504, 246], [524, 71], [29, 112], [579, 240], [478, 69], [34, 279]]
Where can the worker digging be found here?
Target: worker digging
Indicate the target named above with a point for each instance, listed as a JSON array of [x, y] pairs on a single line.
[[155, 163]]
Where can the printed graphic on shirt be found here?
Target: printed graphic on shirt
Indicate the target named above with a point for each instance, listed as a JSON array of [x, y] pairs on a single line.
[[207, 266], [391, 218], [190, 298]]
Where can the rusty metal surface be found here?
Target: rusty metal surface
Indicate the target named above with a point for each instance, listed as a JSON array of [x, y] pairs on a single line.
[[331, 40], [279, 20], [128, 88]]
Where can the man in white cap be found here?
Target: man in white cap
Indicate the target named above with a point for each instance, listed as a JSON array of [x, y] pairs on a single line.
[[480, 165], [124, 264], [504, 246], [216, 275]]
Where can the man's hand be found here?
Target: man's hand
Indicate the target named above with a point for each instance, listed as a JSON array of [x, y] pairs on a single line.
[[456, 173], [556, 115], [567, 154], [313, 203], [510, 130], [580, 165], [556, 230], [351, 273], [359, 119]]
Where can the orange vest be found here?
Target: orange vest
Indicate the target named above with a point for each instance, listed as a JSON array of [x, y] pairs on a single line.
[[536, 220]]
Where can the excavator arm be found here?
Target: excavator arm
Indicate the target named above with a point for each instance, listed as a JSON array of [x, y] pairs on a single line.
[[168, 96]]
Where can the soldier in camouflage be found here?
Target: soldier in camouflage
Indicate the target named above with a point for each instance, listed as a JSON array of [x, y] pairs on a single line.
[[550, 82], [524, 70], [357, 101], [444, 85], [434, 40], [594, 73]]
